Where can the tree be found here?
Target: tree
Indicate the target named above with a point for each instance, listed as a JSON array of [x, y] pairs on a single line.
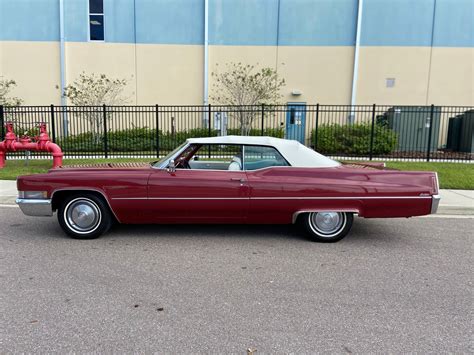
[[5, 87], [246, 86], [96, 90]]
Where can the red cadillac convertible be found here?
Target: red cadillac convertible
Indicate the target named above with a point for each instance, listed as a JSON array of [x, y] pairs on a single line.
[[229, 179]]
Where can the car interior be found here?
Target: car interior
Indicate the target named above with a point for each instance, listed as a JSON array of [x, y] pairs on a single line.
[[229, 157]]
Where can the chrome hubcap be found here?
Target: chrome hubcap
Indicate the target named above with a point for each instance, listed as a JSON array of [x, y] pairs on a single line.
[[83, 215], [327, 223]]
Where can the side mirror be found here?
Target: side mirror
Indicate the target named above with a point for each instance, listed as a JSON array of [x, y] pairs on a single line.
[[171, 166]]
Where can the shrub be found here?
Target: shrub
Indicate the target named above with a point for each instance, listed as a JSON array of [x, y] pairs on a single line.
[[144, 139], [130, 140], [354, 139], [270, 132]]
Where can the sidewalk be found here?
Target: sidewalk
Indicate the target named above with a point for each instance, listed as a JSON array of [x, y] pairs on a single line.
[[453, 202]]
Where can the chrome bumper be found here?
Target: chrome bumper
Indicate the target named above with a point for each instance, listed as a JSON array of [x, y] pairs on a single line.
[[35, 207], [435, 203]]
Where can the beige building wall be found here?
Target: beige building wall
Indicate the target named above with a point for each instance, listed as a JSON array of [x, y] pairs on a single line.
[[174, 74], [170, 74], [321, 74], [111, 59], [157, 74], [452, 76], [35, 68], [409, 66], [423, 76]]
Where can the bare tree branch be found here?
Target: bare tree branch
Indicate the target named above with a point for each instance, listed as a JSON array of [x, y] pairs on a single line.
[[243, 85]]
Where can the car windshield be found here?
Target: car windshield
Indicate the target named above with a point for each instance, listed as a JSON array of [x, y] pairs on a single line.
[[167, 157]]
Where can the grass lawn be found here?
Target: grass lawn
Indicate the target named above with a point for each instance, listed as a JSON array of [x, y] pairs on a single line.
[[13, 168], [451, 175]]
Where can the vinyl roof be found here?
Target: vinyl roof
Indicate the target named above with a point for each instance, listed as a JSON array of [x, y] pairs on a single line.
[[294, 152]]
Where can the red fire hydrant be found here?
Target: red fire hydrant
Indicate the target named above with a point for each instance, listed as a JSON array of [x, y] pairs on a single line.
[[42, 143]]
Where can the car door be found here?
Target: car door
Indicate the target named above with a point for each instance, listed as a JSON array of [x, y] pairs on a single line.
[[198, 196]]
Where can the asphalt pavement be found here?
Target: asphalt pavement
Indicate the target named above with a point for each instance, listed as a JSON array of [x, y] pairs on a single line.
[[391, 286]]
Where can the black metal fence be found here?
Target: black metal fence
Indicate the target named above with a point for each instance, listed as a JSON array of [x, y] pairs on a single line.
[[437, 133]]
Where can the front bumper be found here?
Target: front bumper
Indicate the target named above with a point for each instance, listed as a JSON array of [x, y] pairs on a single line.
[[35, 207], [435, 203]]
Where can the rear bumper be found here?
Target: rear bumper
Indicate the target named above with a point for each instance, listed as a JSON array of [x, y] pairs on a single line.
[[35, 207], [435, 203]]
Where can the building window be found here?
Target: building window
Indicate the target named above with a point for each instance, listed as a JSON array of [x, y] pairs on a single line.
[[96, 20]]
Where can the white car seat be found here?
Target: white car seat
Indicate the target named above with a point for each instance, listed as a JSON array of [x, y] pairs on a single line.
[[235, 164]]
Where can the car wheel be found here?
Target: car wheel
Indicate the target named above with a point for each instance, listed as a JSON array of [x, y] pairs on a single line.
[[84, 216], [328, 227]]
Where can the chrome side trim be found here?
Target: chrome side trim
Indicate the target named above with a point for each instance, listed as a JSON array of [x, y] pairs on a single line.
[[297, 213], [276, 198], [35, 207], [435, 203]]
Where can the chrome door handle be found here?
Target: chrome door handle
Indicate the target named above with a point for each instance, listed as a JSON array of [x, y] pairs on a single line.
[[238, 179]]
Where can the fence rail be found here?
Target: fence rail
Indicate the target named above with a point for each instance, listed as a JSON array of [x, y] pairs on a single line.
[[400, 132]]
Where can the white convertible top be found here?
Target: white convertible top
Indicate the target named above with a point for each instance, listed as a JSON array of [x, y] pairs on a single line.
[[294, 152]]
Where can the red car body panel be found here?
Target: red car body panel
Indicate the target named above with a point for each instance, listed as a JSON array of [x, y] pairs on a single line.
[[271, 195]]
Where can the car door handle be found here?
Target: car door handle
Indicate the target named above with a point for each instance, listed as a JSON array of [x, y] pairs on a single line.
[[237, 179]]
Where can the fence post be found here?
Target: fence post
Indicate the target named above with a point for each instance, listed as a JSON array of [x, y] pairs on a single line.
[[53, 125], [2, 123], [104, 118], [209, 115], [157, 136], [428, 151], [372, 132], [263, 119], [316, 128]]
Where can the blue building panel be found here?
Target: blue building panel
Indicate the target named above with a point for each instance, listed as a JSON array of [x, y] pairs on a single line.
[[397, 23], [119, 21], [454, 24], [170, 21], [318, 22], [26, 20], [76, 20], [248, 22], [237, 22]]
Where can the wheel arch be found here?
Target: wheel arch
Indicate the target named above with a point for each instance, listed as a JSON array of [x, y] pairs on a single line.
[[299, 213], [59, 194]]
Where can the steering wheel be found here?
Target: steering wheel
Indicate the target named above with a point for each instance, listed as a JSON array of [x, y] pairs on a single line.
[[183, 163]]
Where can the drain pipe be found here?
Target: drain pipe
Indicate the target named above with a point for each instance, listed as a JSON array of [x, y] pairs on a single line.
[[355, 74], [62, 64], [206, 52]]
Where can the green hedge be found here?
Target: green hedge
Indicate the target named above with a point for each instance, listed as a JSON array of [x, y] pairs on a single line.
[[144, 139], [354, 139]]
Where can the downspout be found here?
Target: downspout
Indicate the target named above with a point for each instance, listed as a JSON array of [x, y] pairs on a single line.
[[355, 74], [62, 64], [431, 54], [206, 52]]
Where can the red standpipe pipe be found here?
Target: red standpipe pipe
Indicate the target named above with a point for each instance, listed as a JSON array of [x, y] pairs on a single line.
[[39, 147], [42, 145]]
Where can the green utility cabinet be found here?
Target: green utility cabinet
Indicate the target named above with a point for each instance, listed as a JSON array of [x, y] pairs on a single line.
[[466, 141], [454, 133], [461, 133], [412, 125]]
